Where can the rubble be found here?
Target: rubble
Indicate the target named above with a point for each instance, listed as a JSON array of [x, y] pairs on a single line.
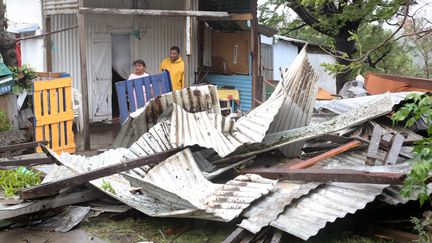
[[168, 153]]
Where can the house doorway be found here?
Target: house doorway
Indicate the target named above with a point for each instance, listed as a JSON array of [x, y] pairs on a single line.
[[121, 66]]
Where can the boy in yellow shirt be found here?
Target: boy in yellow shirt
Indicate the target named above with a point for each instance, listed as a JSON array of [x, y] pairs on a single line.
[[175, 66]]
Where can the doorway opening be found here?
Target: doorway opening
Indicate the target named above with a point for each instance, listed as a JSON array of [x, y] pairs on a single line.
[[121, 66]]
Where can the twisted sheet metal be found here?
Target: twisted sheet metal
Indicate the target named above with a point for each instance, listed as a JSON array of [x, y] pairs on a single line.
[[310, 213], [344, 105], [289, 106], [264, 211], [193, 99], [296, 111], [177, 188]]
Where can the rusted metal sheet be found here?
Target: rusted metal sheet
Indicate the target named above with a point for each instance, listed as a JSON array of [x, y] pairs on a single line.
[[377, 83], [193, 99]]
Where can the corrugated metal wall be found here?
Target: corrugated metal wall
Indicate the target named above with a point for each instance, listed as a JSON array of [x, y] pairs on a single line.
[[284, 55], [267, 61], [325, 80], [243, 83], [157, 35]]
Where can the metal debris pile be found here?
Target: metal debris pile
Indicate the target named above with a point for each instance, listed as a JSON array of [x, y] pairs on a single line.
[[338, 156]]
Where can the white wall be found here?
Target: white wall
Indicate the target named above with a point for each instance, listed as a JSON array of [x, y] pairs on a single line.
[[325, 80], [284, 54], [29, 11]]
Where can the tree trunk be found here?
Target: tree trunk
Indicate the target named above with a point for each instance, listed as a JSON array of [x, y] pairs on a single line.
[[7, 40], [348, 47]]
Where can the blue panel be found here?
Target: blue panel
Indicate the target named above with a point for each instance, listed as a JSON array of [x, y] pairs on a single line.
[[243, 83], [139, 89], [156, 83], [147, 88], [121, 95], [131, 95]]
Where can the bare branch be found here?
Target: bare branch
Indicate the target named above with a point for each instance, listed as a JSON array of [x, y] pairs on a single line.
[[293, 29]]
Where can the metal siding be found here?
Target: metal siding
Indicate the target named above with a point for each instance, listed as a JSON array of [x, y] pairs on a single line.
[[266, 61], [65, 49], [284, 55], [242, 83]]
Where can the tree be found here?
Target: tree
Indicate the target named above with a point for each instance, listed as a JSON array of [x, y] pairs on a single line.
[[418, 32], [340, 21], [7, 40]]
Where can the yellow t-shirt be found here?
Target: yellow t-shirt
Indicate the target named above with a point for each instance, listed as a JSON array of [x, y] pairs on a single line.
[[176, 70]]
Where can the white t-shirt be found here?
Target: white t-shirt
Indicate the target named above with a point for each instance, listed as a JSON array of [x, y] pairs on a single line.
[[134, 76]]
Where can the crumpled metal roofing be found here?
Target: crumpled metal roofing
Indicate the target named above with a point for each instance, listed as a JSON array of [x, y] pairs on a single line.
[[305, 216], [296, 111], [345, 105], [193, 99], [289, 106], [264, 211], [171, 189]]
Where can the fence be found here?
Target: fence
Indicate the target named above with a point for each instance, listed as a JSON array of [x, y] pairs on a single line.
[[54, 114]]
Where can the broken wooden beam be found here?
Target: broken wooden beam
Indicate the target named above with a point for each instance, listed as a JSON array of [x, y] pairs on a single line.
[[372, 152], [22, 146], [26, 162], [401, 154], [395, 148], [329, 175], [236, 236], [52, 188], [333, 152]]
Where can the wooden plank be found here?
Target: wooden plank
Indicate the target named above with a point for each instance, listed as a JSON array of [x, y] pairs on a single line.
[[26, 162], [55, 118], [393, 153], [121, 96], [236, 236], [82, 42], [326, 155], [54, 187], [70, 138], [257, 84], [372, 153], [44, 204], [401, 154], [22, 146], [329, 175], [139, 89], [49, 84], [277, 237], [131, 95], [154, 12]]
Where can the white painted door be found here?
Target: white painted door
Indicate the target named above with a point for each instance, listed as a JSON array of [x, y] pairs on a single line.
[[101, 78]]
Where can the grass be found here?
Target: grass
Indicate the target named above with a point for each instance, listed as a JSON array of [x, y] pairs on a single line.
[[139, 227]]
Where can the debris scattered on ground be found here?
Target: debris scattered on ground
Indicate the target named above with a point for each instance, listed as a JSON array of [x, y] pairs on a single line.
[[289, 168]]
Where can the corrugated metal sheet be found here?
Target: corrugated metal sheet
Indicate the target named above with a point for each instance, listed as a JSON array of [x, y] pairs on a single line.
[[264, 211], [306, 216], [242, 83], [345, 105], [296, 111], [267, 61], [170, 188], [194, 99]]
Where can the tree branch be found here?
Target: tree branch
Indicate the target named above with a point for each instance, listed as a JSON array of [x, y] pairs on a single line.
[[307, 17], [293, 29]]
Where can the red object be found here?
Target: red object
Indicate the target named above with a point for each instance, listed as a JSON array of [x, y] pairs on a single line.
[[230, 97], [377, 83], [18, 51]]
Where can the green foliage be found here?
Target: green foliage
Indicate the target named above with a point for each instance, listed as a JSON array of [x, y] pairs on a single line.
[[421, 227], [107, 187], [419, 106], [5, 125], [23, 77], [12, 181]]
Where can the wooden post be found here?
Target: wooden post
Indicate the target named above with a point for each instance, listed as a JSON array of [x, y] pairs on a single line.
[[48, 49], [201, 29], [256, 82], [84, 83]]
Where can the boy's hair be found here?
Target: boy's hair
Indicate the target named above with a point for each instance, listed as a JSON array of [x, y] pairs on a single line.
[[175, 48]]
